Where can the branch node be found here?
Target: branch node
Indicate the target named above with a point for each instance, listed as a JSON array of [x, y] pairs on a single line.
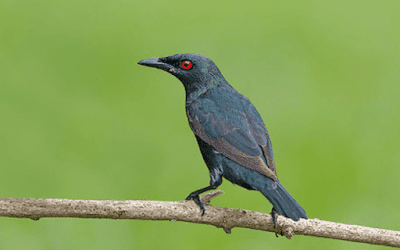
[[227, 230], [289, 232], [206, 198]]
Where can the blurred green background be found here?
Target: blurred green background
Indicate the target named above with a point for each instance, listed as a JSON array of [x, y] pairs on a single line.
[[80, 119]]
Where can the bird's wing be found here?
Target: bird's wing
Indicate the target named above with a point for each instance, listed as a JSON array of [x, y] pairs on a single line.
[[237, 135]]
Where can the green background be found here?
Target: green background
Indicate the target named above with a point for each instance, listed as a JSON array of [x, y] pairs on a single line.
[[80, 119]]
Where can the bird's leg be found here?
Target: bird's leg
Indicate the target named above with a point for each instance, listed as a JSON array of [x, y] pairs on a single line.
[[274, 215], [216, 180]]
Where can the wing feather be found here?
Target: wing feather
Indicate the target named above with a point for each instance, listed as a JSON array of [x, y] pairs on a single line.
[[239, 141]]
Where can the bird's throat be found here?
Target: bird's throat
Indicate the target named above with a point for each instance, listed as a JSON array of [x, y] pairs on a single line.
[[194, 91]]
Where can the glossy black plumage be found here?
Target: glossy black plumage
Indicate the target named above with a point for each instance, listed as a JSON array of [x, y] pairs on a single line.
[[231, 135]]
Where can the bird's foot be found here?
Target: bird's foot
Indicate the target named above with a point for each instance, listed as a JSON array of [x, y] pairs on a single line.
[[274, 215], [198, 201]]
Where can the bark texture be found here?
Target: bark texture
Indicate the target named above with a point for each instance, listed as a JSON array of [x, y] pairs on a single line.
[[188, 211]]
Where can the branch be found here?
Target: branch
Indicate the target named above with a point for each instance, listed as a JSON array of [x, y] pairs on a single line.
[[188, 211]]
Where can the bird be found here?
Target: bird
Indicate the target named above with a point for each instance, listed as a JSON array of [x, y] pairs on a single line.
[[230, 132]]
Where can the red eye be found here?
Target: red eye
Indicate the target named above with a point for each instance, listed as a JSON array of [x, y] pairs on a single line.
[[187, 64]]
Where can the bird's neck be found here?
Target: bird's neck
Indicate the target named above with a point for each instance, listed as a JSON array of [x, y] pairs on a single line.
[[194, 90]]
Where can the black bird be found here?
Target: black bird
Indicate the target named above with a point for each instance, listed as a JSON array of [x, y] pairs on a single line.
[[230, 132]]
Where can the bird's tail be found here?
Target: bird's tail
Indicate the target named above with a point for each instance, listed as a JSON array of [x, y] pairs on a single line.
[[283, 202]]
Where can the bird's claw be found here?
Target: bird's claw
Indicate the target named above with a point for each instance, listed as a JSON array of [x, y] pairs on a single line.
[[274, 215], [198, 201]]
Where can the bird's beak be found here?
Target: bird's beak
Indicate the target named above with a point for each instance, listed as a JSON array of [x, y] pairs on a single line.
[[157, 63]]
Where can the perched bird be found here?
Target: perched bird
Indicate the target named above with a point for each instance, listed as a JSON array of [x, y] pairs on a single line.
[[230, 132]]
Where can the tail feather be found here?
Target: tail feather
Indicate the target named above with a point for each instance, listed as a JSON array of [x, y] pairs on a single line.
[[283, 202]]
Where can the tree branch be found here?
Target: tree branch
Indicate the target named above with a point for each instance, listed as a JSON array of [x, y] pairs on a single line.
[[188, 211]]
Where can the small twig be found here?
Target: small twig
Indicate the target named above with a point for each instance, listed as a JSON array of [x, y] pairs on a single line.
[[188, 211], [206, 198]]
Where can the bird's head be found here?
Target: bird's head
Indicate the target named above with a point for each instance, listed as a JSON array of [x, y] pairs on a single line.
[[195, 71]]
